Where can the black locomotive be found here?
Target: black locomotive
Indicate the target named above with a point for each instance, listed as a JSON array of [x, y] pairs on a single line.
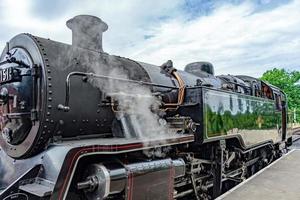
[[78, 123]]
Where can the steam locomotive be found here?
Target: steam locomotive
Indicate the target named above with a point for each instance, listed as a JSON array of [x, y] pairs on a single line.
[[78, 123]]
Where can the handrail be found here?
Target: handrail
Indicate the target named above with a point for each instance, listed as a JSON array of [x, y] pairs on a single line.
[[65, 107]]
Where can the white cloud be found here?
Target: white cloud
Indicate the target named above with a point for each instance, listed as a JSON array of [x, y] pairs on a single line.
[[235, 38], [128, 20]]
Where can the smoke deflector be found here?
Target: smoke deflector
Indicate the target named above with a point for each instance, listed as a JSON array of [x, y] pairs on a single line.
[[87, 32]]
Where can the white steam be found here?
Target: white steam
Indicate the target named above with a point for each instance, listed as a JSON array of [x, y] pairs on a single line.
[[136, 103]]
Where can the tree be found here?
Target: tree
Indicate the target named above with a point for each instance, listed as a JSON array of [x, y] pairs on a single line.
[[289, 82]]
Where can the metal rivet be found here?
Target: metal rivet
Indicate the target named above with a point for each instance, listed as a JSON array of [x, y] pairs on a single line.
[[50, 85], [49, 106], [50, 99], [49, 78], [48, 113], [50, 92]]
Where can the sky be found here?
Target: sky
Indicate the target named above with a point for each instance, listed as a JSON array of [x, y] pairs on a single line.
[[236, 36]]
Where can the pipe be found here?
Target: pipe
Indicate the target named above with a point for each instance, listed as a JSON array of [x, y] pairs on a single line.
[[66, 107]]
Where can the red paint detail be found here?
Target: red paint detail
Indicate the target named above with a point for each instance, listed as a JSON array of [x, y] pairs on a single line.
[[171, 182], [130, 185], [132, 179]]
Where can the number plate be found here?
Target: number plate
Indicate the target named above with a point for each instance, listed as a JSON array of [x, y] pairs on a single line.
[[6, 75]]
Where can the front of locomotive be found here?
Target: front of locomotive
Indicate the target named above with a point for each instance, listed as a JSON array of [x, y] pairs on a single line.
[[22, 85], [33, 73]]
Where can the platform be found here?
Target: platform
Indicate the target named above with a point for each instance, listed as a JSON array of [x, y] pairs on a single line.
[[280, 180]]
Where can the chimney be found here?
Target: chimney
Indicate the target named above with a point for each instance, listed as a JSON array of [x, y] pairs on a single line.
[[87, 32]]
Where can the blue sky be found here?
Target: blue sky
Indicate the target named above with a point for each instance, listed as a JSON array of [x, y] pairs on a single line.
[[237, 36]]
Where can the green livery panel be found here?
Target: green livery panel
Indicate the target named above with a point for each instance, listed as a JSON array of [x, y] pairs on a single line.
[[254, 119]]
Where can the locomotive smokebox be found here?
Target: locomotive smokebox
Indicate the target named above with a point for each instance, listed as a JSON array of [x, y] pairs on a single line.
[[87, 32]]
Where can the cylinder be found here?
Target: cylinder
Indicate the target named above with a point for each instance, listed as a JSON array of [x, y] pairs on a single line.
[[112, 178]]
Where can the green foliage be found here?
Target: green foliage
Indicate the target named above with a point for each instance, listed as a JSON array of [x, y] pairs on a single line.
[[289, 82]]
